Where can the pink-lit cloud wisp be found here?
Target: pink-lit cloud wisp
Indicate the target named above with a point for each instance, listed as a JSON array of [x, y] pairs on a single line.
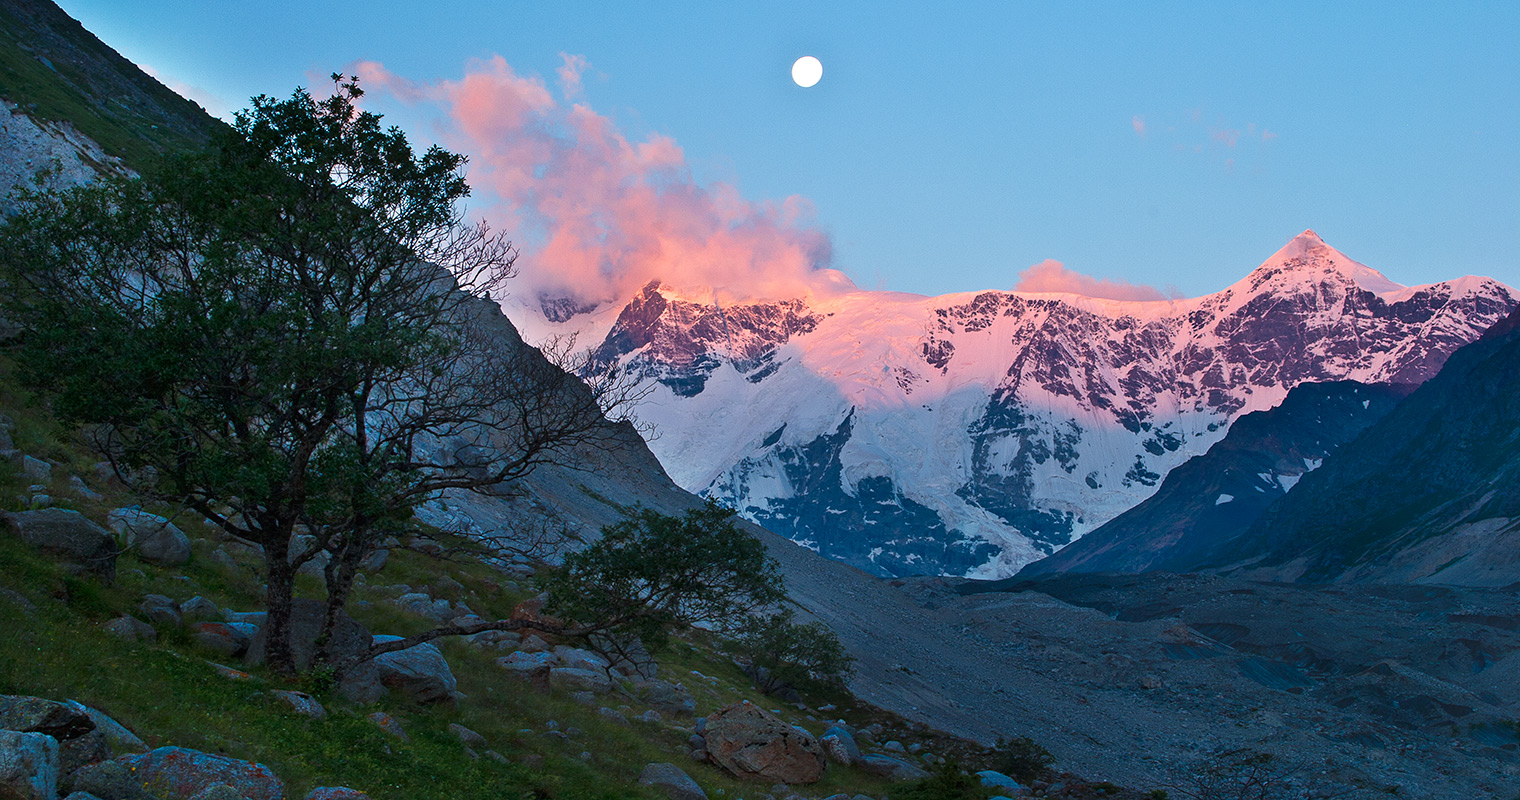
[[596, 214]]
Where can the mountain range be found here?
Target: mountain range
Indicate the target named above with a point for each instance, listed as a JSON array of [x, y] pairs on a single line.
[[972, 434]]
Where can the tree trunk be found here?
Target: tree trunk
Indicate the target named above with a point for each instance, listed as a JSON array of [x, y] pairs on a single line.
[[340, 572], [279, 589]]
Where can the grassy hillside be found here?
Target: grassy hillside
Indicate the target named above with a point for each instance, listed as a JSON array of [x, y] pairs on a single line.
[[55, 70], [169, 692]]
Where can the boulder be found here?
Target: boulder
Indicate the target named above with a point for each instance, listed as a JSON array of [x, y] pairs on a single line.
[[419, 673], [388, 723], [156, 539], [221, 637], [890, 768], [199, 609], [374, 560], [78, 487], [349, 638], [161, 610], [570, 679], [36, 470], [753, 744], [577, 658], [528, 665], [466, 736], [671, 781], [424, 605], [107, 780], [91, 748], [666, 697], [61, 721], [993, 779], [66, 533], [131, 629], [118, 738], [181, 772], [840, 746], [301, 703], [336, 792], [29, 766]]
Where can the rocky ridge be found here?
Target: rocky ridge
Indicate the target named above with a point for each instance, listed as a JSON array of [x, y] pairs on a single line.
[[972, 434]]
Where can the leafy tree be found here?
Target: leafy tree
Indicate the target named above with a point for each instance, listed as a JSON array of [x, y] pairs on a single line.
[[290, 333], [782, 652], [648, 574]]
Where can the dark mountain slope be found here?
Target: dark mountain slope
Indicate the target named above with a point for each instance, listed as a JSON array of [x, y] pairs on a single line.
[[1430, 493], [55, 70], [1214, 498]]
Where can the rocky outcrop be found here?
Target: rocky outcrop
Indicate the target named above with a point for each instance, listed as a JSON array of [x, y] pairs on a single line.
[[66, 533], [154, 538], [754, 744], [178, 773], [28, 766], [994, 428], [419, 673]]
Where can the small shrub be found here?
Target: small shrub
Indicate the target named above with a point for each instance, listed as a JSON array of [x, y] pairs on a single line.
[[783, 652], [1021, 758], [948, 782]]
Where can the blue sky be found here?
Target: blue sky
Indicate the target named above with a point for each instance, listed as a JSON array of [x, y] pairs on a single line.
[[1175, 145]]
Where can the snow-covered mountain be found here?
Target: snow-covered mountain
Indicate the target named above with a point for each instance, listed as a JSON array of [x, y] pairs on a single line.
[[974, 433]]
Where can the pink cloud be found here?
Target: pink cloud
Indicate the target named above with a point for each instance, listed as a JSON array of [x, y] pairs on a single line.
[[1053, 276], [570, 72], [598, 215], [1138, 123], [1225, 136]]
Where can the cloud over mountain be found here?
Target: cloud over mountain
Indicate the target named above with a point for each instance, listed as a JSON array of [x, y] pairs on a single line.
[[598, 214]]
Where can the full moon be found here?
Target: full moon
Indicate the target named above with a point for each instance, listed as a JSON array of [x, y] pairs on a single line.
[[807, 71]]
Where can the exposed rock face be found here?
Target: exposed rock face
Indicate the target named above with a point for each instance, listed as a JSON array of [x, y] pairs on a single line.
[[66, 533], [972, 434], [753, 744], [28, 766], [1214, 498], [1429, 493]]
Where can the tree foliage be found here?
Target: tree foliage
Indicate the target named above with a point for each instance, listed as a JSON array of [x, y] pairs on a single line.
[[651, 572], [783, 652], [290, 332]]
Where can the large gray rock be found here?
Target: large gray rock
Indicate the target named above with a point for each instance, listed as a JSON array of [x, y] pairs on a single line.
[[528, 665], [666, 697], [362, 685], [579, 680], [179, 772], [28, 766], [131, 629], [671, 781], [120, 740], [155, 538], [36, 470], [578, 658], [753, 744], [840, 746], [66, 533], [35, 715], [420, 673], [993, 779]]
